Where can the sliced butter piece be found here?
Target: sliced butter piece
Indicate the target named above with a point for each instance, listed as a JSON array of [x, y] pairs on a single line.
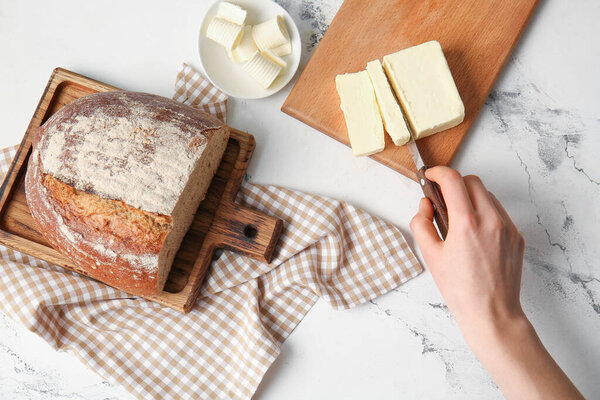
[[391, 113], [270, 34], [245, 49], [275, 58], [263, 70], [365, 128], [283, 50], [226, 33], [424, 85], [231, 12]]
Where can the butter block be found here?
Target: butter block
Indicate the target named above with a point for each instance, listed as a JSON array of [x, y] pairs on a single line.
[[424, 85], [393, 120], [365, 128]]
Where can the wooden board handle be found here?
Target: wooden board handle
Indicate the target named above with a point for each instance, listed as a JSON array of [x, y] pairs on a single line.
[[434, 194], [246, 231]]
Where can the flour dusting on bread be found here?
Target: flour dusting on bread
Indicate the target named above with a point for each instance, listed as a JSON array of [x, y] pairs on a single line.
[[75, 240], [126, 155], [114, 181]]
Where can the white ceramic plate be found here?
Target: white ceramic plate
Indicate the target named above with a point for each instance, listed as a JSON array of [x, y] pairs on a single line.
[[229, 76]]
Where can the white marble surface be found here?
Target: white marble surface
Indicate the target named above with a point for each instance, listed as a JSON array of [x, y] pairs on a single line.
[[535, 145]]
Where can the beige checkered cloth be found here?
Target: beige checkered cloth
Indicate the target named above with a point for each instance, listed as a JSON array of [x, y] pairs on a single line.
[[192, 89], [221, 349]]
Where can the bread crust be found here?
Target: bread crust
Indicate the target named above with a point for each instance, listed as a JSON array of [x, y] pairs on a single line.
[[110, 240]]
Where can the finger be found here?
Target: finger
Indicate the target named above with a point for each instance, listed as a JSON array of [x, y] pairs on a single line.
[[422, 227], [453, 189], [482, 202], [503, 214]]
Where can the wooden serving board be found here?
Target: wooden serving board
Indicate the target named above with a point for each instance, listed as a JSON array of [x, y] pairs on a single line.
[[477, 37], [219, 222]]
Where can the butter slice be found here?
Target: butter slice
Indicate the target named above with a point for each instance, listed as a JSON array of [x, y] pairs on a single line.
[[274, 58], [263, 70], [245, 48], [270, 34], [424, 85], [393, 120], [283, 50], [226, 33], [365, 128], [231, 12]]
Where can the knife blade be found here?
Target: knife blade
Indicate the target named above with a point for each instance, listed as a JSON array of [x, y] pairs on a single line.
[[431, 190], [414, 152]]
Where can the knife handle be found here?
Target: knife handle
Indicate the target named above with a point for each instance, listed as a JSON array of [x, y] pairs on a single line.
[[433, 192]]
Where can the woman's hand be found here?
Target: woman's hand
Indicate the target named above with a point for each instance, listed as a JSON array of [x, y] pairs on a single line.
[[478, 267], [478, 271]]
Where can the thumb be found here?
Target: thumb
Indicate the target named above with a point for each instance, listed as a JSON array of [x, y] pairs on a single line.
[[422, 227]]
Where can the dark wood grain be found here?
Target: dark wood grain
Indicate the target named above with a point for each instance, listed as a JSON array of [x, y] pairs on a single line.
[[477, 37], [432, 191], [219, 222]]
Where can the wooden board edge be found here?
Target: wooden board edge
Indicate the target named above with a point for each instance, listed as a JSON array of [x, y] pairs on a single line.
[[287, 108], [409, 173], [191, 290], [247, 146], [67, 75], [22, 152], [34, 249]]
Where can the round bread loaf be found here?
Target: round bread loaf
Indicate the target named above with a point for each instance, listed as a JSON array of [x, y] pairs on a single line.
[[114, 180]]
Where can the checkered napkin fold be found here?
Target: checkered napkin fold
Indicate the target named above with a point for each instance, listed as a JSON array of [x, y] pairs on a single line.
[[221, 349]]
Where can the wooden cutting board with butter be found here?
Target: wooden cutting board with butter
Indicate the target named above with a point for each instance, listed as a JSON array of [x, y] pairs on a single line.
[[476, 38]]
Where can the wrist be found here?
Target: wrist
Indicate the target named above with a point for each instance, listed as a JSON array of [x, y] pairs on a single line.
[[513, 354], [490, 335]]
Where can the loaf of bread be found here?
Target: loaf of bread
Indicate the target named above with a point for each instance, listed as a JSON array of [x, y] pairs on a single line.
[[114, 180]]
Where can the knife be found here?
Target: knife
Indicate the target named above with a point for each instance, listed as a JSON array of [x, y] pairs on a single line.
[[430, 189]]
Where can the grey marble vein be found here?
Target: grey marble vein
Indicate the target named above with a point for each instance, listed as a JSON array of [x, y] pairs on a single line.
[[24, 374], [438, 338], [534, 143], [531, 120], [312, 18]]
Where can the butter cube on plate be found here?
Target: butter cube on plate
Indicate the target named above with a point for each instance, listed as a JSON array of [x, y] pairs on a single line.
[[393, 120], [232, 13], [425, 87], [245, 48], [365, 128]]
